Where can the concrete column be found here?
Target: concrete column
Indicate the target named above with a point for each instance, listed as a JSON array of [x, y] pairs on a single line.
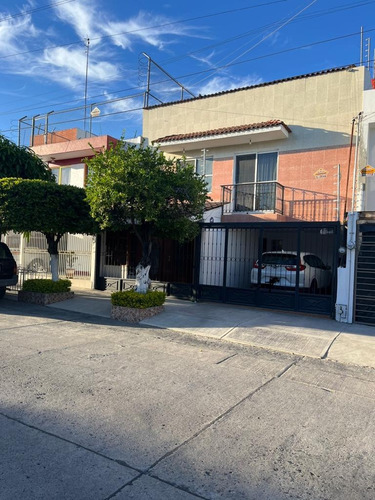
[[346, 275]]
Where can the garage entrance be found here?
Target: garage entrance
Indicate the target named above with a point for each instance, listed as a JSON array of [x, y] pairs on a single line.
[[364, 308], [289, 266]]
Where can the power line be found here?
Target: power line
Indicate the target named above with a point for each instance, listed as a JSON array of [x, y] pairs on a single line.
[[32, 11], [277, 53], [300, 47], [285, 23], [137, 108], [319, 13], [170, 23], [302, 18]]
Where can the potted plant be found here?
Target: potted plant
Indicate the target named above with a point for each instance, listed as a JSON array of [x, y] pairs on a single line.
[[45, 291], [133, 307], [70, 259]]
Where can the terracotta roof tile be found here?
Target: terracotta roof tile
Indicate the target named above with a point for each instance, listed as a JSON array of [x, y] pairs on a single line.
[[209, 205], [222, 131]]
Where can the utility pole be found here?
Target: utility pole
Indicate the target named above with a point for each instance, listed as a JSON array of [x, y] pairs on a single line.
[[87, 44]]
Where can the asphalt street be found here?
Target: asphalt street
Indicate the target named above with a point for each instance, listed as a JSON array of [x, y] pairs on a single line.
[[95, 409]]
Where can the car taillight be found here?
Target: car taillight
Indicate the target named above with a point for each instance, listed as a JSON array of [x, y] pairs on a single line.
[[256, 265], [294, 268]]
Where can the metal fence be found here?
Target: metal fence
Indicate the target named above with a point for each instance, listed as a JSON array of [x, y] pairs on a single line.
[[286, 266], [253, 197], [24, 274], [31, 254]]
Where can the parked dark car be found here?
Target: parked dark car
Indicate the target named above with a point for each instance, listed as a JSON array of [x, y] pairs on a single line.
[[8, 269]]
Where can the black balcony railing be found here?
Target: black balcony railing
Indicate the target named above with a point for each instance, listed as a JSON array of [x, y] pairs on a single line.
[[253, 197]]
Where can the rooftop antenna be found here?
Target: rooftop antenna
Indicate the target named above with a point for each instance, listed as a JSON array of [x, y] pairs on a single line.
[[87, 44], [368, 52]]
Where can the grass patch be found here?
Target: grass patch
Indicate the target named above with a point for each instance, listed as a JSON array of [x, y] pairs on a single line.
[[46, 286], [130, 298]]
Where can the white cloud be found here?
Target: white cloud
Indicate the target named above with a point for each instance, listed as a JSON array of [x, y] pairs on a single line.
[[205, 60], [222, 83], [81, 15], [145, 27], [14, 33], [21, 41]]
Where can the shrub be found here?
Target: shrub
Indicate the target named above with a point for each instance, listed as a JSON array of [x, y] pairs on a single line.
[[47, 286], [131, 298]]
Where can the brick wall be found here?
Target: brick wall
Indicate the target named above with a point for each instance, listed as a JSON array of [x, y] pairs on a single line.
[[309, 178], [222, 173], [54, 137], [310, 181]]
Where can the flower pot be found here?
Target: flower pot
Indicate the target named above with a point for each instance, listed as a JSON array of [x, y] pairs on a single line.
[[43, 299], [69, 273], [134, 315]]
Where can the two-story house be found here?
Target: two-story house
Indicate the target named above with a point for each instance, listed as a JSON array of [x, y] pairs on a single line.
[[279, 159]]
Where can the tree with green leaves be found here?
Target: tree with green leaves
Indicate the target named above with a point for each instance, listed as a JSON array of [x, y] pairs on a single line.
[[34, 205], [138, 188], [20, 161]]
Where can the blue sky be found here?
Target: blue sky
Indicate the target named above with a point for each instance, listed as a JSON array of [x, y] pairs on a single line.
[[207, 46]]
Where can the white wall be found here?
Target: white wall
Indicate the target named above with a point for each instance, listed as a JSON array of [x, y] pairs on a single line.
[[346, 275]]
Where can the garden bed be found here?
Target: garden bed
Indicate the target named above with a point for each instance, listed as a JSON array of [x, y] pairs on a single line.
[[43, 299], [134, 315]]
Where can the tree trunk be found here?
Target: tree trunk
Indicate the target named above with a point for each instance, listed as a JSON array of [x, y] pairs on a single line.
[[142, 281], [52, 243], [55, 266]]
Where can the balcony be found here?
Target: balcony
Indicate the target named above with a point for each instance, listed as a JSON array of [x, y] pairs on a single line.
[[253, 197]]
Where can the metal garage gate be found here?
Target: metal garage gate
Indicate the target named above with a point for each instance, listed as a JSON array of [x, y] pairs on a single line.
[[289, 266], [364, 310]]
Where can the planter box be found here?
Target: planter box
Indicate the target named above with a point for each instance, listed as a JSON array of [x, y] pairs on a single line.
[[134, 315], [43, 299]]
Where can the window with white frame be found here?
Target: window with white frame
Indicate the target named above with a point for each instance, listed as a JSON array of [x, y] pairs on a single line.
[[73, 175], [203, 167], [255, 189]]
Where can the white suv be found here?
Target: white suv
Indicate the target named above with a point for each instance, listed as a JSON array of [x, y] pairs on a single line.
[[280, 269]]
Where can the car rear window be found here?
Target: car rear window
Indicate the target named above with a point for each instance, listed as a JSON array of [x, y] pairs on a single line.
[[280, 259], [5, 252]]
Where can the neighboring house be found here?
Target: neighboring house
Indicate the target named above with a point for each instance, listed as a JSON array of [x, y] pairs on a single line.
[[110, 260], [278, 158], [64, 152]]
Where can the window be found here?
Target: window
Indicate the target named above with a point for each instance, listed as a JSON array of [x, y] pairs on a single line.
[[204, 167], [255, 190], [72, 175], [256, 168], [314, 261]]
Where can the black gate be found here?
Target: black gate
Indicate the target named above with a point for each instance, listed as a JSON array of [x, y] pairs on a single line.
[[364, 310], [289, 266]]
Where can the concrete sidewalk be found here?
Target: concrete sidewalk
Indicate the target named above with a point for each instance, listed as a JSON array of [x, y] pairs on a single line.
[[301, 334]]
